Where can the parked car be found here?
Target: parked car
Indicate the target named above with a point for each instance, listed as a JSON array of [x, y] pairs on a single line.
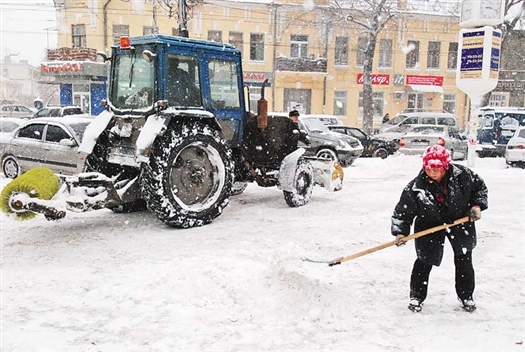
[[515, 151], [15, 110], [50, 142], [372, 147], [328, 144], [419, 138], [496, 125], [421, 118], [326, 119], [58, 111], [394, 134]]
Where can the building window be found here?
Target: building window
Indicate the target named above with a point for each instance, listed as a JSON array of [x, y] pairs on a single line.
[[434, 49], [299, 46], [452, 62], [79, 35], [412, 58], [498, 99], [148, 30], [256, 47], [340, 102], [341, 50], [215, 36], [378, 104], [361, 47], [385, 53], [449, 103], [120, 30], [235, 39]]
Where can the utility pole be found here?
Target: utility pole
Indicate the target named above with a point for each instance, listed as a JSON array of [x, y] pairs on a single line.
[[183, 19], [155, 27]]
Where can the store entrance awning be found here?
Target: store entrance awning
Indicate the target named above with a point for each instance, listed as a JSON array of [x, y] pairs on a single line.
[[426, 89]]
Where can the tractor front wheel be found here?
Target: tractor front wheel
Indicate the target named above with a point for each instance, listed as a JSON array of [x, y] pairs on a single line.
[[303, 185]]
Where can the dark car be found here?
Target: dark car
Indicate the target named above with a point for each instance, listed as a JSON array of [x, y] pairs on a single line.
[[372, 147]]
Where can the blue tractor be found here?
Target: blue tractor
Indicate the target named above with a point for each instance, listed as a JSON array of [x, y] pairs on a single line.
[[178, 137]]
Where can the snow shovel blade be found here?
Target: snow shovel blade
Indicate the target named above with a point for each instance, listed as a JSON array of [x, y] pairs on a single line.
[[328, 174], [329, 262]]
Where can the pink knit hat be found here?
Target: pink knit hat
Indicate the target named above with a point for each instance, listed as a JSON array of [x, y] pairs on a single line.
[[436, 156]]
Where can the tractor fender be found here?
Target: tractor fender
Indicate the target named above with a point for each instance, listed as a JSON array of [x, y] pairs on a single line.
[[156, 125], [94, 130], [287, 170]]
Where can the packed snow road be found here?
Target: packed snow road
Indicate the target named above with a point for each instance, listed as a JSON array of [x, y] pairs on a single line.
[[102, 281]]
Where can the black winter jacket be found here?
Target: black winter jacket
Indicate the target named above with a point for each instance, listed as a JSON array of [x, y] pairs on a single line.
[[418, 201]]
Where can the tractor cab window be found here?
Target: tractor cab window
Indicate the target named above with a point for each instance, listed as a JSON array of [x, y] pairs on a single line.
[[133, 86], [182, 81], [224, 84]]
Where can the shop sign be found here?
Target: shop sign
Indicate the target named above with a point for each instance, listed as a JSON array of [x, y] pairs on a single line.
[[399, 80], [510, 86], [424, 80], [380, 79], [61, 67], [254, 76]]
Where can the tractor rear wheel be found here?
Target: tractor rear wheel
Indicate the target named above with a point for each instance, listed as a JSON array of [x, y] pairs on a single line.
[[190, 175]]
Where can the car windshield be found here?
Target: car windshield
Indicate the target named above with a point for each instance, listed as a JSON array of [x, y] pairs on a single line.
[[7, 126], [396, 120], [314, 125], [426, 130], [133, 81]]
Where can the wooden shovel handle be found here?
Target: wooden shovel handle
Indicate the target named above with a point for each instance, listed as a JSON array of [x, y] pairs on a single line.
[[392, 243]]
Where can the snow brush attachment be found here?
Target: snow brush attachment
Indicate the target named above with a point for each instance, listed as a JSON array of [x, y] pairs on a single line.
[[20, 196]]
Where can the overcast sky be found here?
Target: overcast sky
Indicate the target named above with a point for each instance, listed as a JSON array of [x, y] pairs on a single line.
[[27, 29]]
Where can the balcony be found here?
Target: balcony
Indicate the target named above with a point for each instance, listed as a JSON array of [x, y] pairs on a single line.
[[71, 54], [298, 64]]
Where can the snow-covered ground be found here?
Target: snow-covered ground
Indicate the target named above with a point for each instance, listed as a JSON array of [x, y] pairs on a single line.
[[101, 281]]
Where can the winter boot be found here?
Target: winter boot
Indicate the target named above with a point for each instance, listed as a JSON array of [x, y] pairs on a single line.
[[415, 305], [468, 304]]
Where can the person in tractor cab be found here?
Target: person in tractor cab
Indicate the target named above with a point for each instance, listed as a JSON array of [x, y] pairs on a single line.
[[181, 86], [440, 194]]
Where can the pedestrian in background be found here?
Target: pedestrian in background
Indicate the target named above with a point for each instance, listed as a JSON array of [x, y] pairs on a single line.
[[440, 194], [386, 118]]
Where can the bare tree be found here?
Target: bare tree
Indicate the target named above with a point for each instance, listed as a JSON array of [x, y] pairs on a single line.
[[371, 16], [506, 28]]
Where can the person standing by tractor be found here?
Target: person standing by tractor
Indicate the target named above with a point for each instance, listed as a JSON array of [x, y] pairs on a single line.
[[441, 193], [297, 133]]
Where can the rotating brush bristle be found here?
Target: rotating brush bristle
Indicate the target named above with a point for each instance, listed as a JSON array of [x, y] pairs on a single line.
[[39, 183]]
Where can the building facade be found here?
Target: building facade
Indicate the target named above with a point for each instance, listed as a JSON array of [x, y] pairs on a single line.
[[313, 62]]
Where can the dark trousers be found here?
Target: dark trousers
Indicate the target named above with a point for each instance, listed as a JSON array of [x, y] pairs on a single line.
[[465, 281]]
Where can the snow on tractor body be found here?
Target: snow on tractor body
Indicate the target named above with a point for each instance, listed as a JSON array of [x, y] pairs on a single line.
[[177, 137]]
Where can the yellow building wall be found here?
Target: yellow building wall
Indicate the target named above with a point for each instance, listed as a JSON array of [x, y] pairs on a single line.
[[292, 18]]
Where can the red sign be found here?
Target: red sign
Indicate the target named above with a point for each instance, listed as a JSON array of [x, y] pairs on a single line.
[[424, 80], [380, 79], [254, 76], [61, 67]]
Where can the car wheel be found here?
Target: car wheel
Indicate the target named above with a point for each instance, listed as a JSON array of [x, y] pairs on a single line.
[[303, 185], [11, 167], [380, 153], [326, 153]]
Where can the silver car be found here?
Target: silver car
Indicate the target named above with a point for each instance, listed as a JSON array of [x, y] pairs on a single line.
[[49, 142], [417, 139], [16, 110]]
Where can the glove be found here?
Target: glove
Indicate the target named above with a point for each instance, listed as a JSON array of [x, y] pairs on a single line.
[[475, 213], [399, 240]]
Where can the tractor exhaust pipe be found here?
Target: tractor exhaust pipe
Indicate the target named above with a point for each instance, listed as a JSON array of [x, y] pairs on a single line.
[[262, 109]]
